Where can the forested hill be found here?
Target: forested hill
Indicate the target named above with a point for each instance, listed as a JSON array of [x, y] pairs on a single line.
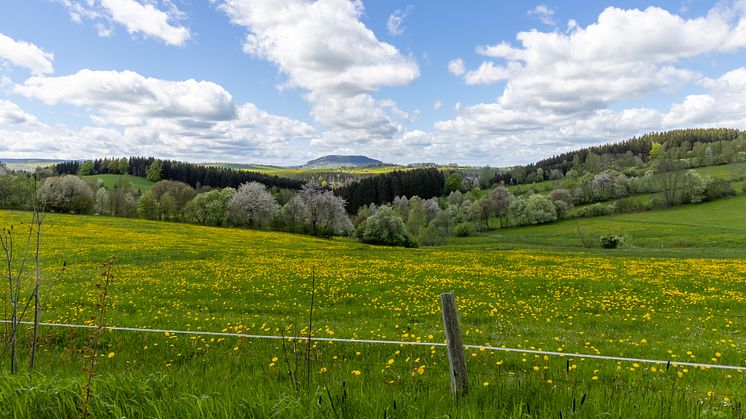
[[335, 161], [192, 174], [637, 147], [425, 183]]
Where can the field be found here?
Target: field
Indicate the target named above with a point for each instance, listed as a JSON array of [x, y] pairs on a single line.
[[713, 229], [109, 180], [523, 288], [364, 170], [300, 171]]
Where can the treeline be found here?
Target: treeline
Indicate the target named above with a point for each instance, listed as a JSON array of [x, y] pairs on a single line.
[[627, 152], [425, 183], [192, 174], [311, 210]]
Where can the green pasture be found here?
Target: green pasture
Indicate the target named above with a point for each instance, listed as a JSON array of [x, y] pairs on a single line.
[[676, 293], [111, 180]]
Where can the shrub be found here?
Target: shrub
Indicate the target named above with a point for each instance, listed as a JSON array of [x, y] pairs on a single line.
[[611, 241], [385, 227], [597, 210], [431, 236], [465, 229], [629, 205], [718, 188]]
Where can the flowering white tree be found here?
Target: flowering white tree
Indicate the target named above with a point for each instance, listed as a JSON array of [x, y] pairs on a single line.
[[252, 205], [68, 194], [325, 212]]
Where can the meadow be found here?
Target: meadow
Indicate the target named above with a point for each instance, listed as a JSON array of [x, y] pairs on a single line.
[[111, 180], [536, 288]]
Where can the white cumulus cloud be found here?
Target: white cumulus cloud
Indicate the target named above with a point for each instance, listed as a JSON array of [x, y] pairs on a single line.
[[324, 49], [544, 13], [456, 67], [26, 55], [137, 115], [563, 89], [127, 97], [12, 114], [144, 18]]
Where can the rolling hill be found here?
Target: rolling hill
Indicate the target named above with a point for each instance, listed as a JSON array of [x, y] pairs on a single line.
[[337, 161]]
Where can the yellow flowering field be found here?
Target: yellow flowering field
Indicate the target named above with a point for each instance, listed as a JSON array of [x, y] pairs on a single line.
[[184, 277]]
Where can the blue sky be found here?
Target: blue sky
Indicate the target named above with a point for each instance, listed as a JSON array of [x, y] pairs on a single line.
[[284, 81]]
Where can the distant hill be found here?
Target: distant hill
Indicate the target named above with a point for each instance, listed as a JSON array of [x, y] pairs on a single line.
[[27, 165], [336, 161]]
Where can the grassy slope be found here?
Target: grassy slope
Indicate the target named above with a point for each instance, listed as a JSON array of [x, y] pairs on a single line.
[[727, 171], [110, 180], [711, 229], [196, 278], [732, 171]]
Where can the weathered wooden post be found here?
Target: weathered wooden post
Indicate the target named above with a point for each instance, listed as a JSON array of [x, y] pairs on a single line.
[[459, 379]]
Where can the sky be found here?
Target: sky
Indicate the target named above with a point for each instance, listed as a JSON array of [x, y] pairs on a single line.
[[281, 82]]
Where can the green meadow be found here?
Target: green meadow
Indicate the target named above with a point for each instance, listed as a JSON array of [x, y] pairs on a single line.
[[675, 292]]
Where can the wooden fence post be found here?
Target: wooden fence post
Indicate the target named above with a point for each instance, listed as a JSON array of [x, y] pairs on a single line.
[[459, 379]]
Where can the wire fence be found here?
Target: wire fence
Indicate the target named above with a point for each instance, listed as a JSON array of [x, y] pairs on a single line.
[[398, 342]]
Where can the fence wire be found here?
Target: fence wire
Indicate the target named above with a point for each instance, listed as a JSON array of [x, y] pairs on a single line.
[[396, 342]]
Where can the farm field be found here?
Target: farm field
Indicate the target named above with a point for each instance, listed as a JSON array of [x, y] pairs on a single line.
[[364, 170], [522, 288]]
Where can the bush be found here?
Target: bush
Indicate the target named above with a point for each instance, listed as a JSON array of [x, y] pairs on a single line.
[[597, 210], [718, 188], [629, 205], [611, 241], [536, 209], [431, 236], [465, 229], [385, 227]]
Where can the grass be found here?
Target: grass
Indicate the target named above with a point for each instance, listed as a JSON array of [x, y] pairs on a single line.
[[712, 229], [733, 171], [533, 288], [110, 180]]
